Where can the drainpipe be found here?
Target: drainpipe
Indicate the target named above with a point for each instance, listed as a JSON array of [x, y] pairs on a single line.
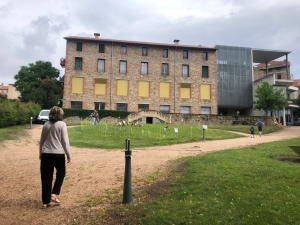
[[287, 66], [283, 110], [175, 80], [111, 75]]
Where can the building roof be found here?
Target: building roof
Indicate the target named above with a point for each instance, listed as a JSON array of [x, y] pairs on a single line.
[[76, 38], [273, 64], [265, 55], [296, 83], [4, 88]]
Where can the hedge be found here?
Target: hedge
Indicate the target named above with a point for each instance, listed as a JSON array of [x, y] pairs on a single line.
[[14, 112], [84, 113]]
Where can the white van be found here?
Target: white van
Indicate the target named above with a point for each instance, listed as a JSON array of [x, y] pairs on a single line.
[[43, 116]]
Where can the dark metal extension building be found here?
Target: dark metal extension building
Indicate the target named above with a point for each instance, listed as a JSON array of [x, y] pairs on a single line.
[[241, 70]]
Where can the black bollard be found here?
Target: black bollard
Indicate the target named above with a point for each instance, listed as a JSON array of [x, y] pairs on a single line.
[[127, 190]]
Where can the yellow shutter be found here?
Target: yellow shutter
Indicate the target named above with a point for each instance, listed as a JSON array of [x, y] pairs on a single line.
[[100, 86], [185, 91], [144, 88], [205, 91], [164, 90], [122, 87], [77, 85]]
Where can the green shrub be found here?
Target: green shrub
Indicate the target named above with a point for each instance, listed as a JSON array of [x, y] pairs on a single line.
[[14, 112], [84, 113]]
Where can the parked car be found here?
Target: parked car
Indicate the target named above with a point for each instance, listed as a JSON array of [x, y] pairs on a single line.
[[43, 116], [297, 122]]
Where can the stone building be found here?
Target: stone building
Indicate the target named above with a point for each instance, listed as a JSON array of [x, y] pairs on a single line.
[[132, 76], [280, 69]]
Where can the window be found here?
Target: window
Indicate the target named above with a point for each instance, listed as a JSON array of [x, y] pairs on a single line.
[[101, 65], [121, 106], [164, 108], [123, 50], [165, 69], [144, 51], [205, 91], [99, 105], [185, 109], [123, 66], [143, 107], [101, 48], [79, 46], [144, 88], [279, 76], [164, 90], [122, 87], [165, 53], [100, 86], [78, 63], [185, 90], [204, 71], [205, 110], [185, 54], [144, 69], [77, 85], [76, 105], [185, 70], [204, 56]]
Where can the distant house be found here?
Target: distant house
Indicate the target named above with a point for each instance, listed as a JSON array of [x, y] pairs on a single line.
[[3, 90], [10, 91], [280, 69]]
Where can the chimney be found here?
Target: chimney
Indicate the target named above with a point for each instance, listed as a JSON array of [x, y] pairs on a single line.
[[97, 35], [176, 42]]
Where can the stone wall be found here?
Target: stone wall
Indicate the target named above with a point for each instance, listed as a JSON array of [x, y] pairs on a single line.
[[194, 120]]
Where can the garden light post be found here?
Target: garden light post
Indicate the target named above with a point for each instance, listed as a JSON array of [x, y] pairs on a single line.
[[30, 122], [127, 190], [204, 128]]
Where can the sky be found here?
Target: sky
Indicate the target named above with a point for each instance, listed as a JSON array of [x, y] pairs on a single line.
[[34, 30]]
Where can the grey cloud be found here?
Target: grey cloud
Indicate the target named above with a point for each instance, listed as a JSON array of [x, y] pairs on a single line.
[[5, 10], [40, 36]]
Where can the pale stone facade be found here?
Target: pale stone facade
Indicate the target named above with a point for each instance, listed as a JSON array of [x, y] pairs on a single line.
[[112, 56]]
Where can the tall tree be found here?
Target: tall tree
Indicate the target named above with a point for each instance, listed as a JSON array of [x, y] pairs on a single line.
[[37, 82], [268, 97]]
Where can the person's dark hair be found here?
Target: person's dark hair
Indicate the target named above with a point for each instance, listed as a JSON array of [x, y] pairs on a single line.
[[56, 114]]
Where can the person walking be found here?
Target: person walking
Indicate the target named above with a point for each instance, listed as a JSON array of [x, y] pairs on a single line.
[[54, 145], [93, 115], [97, 117], [252, 132], [259, 125]]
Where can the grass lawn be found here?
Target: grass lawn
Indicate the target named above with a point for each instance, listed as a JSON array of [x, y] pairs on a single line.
[[246, 129], [113, 137], [244, 186], [9, 133]]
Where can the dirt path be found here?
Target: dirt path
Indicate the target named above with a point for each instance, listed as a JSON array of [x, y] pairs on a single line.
[[91, 172]]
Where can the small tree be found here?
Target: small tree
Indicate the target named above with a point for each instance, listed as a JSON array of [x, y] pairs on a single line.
[[268, 97]]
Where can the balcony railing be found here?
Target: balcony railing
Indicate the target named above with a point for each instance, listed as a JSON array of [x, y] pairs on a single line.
[[282, 76]]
